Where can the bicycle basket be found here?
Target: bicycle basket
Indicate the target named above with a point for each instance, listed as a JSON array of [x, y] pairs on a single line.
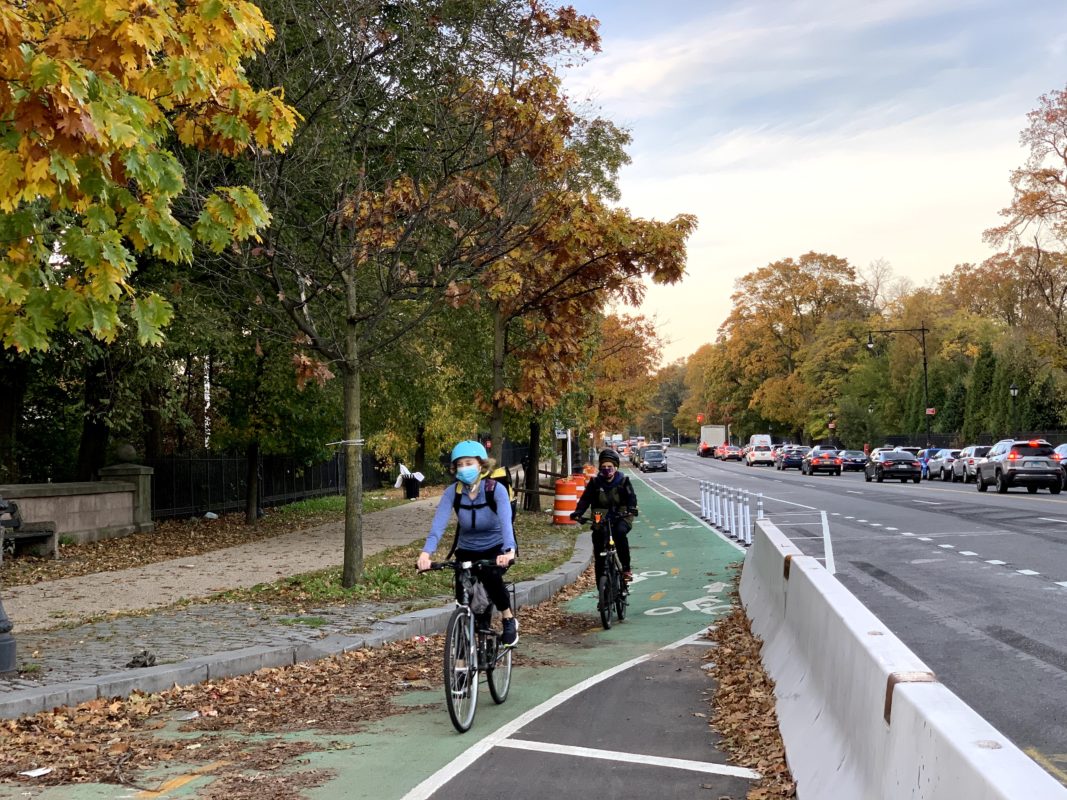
[[479, 599]]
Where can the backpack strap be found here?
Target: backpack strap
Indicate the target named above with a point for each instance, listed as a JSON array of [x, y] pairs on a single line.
[[457, 504]]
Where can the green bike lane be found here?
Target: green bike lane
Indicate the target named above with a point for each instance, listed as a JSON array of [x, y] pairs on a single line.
[[592, 712]]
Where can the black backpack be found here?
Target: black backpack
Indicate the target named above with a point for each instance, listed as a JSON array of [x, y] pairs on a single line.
[[499, 475]]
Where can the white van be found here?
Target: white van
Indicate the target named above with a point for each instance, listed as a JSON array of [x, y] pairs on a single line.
[[759, 438]]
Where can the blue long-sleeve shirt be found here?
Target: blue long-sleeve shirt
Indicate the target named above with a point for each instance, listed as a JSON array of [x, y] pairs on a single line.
[[479, 528]]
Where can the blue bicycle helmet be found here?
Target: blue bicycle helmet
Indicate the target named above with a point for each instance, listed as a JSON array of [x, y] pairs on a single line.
[[469, 448]]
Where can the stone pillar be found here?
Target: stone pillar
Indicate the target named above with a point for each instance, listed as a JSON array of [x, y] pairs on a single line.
[[141, 478]]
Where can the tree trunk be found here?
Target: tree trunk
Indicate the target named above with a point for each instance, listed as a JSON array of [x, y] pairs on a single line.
[[496, 422], [14, 377], [420, 448], [352, 569], [532, 500], [252, 483], [93, 445]]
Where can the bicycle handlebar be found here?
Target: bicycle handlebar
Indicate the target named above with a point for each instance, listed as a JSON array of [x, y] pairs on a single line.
[[435, 565]]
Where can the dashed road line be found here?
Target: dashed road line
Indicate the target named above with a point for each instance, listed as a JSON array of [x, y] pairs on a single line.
[[1027, 572], [996, 563], [967, 553]]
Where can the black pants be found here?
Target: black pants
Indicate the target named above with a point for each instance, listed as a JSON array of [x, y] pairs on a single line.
[[600, 544], [492, 578]]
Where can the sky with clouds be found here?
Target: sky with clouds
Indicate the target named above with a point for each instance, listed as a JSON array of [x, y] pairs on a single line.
[[870, 129]]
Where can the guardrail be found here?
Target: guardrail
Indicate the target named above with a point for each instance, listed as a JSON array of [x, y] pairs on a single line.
[[860, 714], [730, 510]]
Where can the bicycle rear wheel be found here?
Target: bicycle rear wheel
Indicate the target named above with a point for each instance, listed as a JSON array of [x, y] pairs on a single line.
[[606, 600], [620, 597], [498, 673], [461, 670]]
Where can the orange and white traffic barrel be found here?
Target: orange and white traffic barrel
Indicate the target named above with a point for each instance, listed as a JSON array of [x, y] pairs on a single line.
[[590, 472], [579, 483], [566, 501]]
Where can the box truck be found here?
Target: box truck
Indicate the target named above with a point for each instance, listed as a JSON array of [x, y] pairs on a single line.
[[711, 436]]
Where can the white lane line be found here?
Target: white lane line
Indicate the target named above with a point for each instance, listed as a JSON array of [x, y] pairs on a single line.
[[891, 529], [631, 758], [835, 514], [907, 534], [698, 638], [927, 502], [851, 491], [925, 539], [828, 549], [876, 524], [849, 517], [1050, 519], [861, 520], [996, 563], [448, 772], [948, 546], [726, 539], [1062, 583], [967, 553], [1027, 572]]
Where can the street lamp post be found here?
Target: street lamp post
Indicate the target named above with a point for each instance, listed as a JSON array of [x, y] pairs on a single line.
[[1013, 390], [922, 330]]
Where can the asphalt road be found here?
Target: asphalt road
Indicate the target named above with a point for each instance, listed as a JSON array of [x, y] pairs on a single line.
[[975, 584]]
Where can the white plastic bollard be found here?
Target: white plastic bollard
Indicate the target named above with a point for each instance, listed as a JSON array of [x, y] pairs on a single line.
[[733, 513], [716, 516], [759, 506], [748, 518], [726, 516], [703, 502]]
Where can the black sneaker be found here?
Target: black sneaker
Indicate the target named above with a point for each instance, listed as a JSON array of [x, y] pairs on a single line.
[[510, 636]]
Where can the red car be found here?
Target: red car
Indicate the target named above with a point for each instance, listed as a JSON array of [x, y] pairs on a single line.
[[730, 452]]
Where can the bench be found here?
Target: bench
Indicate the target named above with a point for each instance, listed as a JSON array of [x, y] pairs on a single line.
[[34, 538]]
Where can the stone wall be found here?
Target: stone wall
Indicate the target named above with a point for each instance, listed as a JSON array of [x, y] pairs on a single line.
[[87, 512]]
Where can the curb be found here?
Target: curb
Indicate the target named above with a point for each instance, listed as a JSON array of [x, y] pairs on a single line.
[[228, 664]]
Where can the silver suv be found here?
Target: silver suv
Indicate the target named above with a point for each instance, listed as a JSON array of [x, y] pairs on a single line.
[[965, 467], [1014, 462]]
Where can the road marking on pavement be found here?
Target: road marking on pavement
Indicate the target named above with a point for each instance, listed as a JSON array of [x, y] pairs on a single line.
[[835, 514], [448, 772], [948, 546], [861, 520], [849, 517], [1050, 519], [928, 502], [876, 524], [925, 539], [1027, 572], [726, 539], [1062, 583], [631, 758], [905, 533], [967, 553], [891, 529], [851, 491], [996, 563]]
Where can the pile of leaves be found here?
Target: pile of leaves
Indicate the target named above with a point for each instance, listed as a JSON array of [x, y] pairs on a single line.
[[170, 539], [119, 740], [744, 706]]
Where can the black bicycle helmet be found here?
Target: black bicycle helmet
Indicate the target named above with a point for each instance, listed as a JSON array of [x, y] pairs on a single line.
[[607, 454]]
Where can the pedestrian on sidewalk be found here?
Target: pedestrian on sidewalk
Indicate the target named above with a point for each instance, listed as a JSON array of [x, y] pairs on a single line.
[[484, 531], [611, 493]]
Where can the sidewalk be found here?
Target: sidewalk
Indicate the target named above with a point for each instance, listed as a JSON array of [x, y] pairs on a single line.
[[214, 640]]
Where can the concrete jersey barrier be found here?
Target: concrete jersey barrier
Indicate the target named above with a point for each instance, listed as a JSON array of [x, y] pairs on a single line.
[[860, 714]]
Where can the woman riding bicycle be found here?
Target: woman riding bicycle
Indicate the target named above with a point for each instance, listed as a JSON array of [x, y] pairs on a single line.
[[482, 534], [612, 493]]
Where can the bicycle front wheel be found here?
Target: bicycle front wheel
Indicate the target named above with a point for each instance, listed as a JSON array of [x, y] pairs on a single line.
[[498, 673], [606, 601], [461, 670]]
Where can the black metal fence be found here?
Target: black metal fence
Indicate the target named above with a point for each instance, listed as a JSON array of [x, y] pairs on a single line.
[[190, 485]]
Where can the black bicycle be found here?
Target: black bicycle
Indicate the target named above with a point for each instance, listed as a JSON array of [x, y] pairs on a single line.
[[472, 646], [612, 594]]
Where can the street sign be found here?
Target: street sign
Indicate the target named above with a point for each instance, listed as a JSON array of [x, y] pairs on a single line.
[[700, 417], [832, 425], [561, 433], [931, 411]]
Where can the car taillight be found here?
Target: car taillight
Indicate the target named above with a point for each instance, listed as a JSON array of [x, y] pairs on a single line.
[[837, 460], [1012, 456], [1055, 456], [916, 464]]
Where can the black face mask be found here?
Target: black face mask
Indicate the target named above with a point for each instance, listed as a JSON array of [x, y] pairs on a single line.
[[607, 472]]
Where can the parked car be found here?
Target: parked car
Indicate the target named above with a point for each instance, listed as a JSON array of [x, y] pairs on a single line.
[[791, 457], [821, 460], [853, 460], [939, 465], [731, 452], [654, 460], [965, 467], [908, 449], [1016, 462], [893, 464], [1061, 456], [924, 460], [759, 454]]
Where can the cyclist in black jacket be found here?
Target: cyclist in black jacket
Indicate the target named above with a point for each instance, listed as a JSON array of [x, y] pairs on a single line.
[[611, 493]]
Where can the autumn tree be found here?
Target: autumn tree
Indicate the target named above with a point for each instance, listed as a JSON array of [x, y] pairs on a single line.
[[91, 98]]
